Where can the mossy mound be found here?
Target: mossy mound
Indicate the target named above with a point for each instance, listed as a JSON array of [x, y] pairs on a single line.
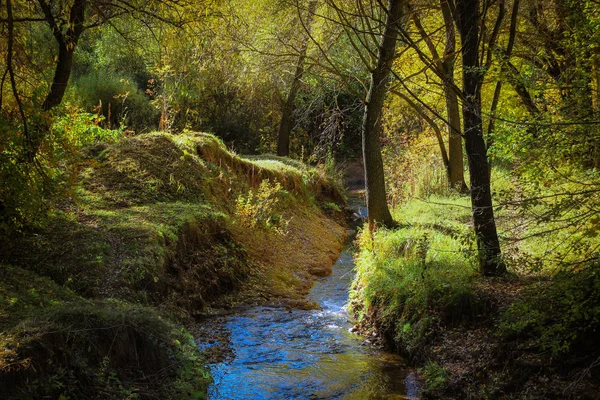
[[152, 219], [71, 348], [158, 224]]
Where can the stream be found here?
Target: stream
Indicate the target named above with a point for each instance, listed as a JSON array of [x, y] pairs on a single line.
[[280, 353]]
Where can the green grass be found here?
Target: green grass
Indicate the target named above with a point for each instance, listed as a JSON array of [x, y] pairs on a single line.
[[417, 275], [421, 279], [137, 204]]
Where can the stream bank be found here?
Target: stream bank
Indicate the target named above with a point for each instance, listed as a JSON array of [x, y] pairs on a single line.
[[160, 229], [274, 352]]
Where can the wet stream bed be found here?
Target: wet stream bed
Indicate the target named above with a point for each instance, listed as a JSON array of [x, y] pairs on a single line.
[[283, 353]]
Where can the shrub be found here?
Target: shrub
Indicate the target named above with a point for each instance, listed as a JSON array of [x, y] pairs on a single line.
[[109, 350], [116, 98], [259, 207], [558, 315]]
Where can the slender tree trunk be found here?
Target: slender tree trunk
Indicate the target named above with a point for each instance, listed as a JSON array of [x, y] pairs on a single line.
[[432, 124], [287, 110], [377, 207], [503, 70], [445, 67], [61, 76], [455, 146], [490, 255], [67, 42]]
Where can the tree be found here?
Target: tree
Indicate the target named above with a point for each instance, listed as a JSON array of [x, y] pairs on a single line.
[[468, 24], [377, 207], [287, 109], [444, 67], [67, 20]]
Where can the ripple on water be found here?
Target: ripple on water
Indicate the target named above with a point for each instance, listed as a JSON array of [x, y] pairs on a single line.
[[300, 354]]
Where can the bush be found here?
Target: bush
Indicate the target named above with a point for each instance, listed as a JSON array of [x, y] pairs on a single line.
[[260, 207], [108, 350], [121, 102], [558, 316]]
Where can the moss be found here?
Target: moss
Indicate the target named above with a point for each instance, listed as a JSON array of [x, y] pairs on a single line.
[[155, 223], [139, 206], [55, 343], [22, 291], [106, 350], [135, 253]]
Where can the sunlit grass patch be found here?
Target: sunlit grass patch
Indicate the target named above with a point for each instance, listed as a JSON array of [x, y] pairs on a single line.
[[418, 274]]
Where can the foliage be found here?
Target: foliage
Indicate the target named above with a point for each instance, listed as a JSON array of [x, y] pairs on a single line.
[[435, 376], [417, 276], [109, 349], [116, 98], [414, 167], [560, 316], [260, 207], [29, 187]]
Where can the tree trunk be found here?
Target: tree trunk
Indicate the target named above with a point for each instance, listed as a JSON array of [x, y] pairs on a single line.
[[377, 207], [490, 256], [455, 149], [67, 42], [445, 68], [61, 76], [287, 111], [503, 70]]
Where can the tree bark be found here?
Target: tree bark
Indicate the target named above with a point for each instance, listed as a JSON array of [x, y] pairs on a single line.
[[490, 256], [503, 70], [67, 42], [61, 77], [377, 207], [287, 111], [445, 69], [455, 146]]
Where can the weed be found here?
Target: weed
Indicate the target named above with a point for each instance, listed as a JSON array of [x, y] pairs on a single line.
[[260, 207], [436, 377]]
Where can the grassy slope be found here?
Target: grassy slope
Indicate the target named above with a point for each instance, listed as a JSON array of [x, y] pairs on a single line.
[[160, 224], [529, 335]]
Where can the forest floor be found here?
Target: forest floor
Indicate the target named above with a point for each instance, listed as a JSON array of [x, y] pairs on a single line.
[[529, 335], [159, 229], [479, 362]]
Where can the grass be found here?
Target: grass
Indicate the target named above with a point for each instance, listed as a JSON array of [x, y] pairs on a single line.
[[418, 275], [158, 224], [419, 284], [140, 202], [107, 349], [56, 343]]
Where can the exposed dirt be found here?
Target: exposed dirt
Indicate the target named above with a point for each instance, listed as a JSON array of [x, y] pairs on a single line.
[[483, 364]]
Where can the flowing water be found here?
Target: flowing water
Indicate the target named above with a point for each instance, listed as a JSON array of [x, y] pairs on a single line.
[[279, 353]]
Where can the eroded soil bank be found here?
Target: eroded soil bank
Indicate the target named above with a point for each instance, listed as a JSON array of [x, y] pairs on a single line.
[[160, 228], [274, 352]]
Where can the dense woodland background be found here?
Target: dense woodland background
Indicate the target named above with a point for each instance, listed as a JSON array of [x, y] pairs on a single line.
[[478, 122]]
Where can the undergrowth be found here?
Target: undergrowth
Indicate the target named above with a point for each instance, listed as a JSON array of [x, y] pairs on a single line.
[[419, 283], [417, 276]]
